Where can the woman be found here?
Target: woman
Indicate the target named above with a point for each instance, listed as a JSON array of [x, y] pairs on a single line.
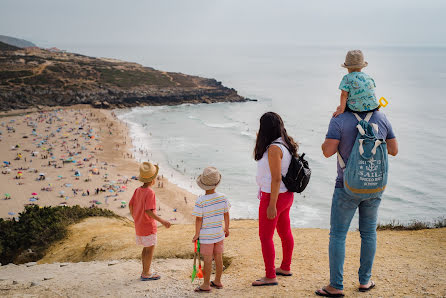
[[273, 152]]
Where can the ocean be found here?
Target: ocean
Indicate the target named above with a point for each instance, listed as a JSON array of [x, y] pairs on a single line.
[[301, 84]]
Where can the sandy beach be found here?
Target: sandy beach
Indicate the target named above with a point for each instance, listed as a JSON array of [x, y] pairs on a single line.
[[62, 156]]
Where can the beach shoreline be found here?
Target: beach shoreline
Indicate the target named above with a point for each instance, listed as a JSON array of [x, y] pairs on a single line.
[[109, 150]]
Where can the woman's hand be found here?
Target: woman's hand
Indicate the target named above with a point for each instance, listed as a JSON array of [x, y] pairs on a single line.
[[271, 212]]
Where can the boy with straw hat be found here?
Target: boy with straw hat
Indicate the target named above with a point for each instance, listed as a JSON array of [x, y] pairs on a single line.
[[211, 210], [143, 210], [357, 88]]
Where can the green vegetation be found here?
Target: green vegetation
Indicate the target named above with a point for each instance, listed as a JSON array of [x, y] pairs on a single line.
[[133, 78], [37, 228], [12, 74], [413, 225]]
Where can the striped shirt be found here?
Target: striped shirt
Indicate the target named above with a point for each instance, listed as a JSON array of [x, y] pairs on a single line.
[[212, 209]]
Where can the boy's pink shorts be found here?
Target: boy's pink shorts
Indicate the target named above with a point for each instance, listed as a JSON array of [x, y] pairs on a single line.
[[211, 248]]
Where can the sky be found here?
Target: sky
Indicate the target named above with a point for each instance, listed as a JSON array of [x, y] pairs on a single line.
[[325, 22]]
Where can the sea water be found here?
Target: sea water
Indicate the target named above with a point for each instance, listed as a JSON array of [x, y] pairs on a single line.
[[301, 84]]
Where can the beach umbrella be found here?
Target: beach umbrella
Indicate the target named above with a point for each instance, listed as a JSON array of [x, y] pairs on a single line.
[[123, 202], [124, 187], [34, 194], [111, 190], [98, 203], [61, 192], [6, 162], [11, 213], [33, 199], [41, 174]]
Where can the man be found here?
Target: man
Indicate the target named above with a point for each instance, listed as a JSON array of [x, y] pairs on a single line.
[[341, 137]]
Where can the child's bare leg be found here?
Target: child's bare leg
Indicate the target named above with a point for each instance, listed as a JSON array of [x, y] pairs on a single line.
[[207, 272], [146, 257], [218, 269]]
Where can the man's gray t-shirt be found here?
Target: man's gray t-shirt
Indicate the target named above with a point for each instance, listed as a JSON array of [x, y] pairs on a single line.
[[343, 128]]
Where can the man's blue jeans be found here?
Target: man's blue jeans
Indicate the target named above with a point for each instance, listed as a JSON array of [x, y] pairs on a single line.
[[343, 209]]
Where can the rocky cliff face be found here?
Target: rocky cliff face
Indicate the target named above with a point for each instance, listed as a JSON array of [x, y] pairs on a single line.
[[36, 77]]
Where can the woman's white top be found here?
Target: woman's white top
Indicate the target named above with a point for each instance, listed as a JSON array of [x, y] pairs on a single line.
[[263, 177]]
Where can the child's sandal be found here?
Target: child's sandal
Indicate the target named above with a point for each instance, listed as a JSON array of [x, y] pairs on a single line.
[[215, 286], [152, 276]]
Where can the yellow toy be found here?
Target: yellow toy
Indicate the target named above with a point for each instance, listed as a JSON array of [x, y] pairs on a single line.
[[383, 102]]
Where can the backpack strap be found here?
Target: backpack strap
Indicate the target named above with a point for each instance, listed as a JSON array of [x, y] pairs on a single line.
[[367, 117], [341, 161]]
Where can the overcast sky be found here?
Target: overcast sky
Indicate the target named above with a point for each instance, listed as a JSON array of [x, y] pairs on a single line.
[[329, 22]]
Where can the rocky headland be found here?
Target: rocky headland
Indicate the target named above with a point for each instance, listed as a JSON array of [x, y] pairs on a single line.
[[36, 78]]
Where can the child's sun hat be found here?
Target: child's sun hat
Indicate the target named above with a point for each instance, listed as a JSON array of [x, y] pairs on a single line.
[[209, 179], [147, 172], [354, 59]]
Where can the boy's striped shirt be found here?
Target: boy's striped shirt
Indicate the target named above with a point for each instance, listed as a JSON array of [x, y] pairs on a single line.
[[212, 209]]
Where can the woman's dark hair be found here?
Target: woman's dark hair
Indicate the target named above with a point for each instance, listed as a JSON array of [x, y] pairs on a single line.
[[272, 128]]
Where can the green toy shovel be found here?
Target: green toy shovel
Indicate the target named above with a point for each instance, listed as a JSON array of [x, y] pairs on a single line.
[[194, 271]]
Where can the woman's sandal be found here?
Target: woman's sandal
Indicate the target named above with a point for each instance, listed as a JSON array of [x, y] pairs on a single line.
[[283, 274], [262, 283], [215, 286], [372, 285]]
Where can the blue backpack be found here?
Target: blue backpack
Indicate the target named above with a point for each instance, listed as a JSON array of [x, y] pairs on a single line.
[[365, 175]]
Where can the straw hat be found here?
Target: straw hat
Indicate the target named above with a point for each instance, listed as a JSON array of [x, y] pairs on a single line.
[[147, 172], [209, 179], [354, 59]]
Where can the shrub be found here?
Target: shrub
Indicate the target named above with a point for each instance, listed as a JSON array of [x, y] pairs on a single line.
[[412, 226], [28, 238]]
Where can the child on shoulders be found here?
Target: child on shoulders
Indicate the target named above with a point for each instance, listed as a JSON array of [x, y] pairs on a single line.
[[211, 210], [357, 88]]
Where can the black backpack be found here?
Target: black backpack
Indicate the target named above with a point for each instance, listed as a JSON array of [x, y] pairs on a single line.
[[299, 173]]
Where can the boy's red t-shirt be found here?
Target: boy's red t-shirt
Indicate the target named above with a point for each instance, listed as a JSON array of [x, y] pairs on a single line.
[[143, 199]]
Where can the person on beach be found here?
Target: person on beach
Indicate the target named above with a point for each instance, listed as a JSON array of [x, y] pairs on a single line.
[[272, 153], [340, 138], [143, 210], [357, 88], [211, 210]]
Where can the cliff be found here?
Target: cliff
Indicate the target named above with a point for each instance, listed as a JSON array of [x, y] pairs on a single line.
[[36, 77]]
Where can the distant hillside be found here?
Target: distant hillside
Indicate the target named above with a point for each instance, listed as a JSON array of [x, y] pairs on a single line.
[[7, 47], [17, 42], [36, 77]]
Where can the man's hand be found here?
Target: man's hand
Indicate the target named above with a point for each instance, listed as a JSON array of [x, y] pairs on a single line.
[[339, 111], [195, 238]]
